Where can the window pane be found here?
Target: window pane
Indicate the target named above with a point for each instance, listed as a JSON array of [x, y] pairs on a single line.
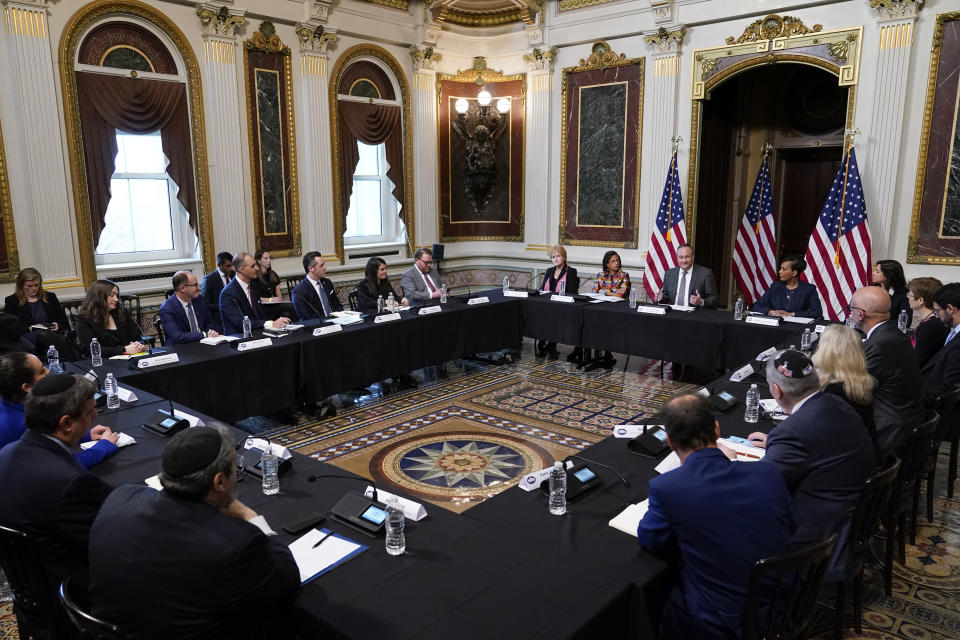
[[368, 164], [368, 206], [140, 154], [150, 205], [117, 236]]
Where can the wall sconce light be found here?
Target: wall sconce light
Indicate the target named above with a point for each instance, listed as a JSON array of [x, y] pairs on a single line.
[[479, 127]]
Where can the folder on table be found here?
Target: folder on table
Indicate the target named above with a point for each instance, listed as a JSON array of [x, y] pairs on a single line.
[[315, 560]]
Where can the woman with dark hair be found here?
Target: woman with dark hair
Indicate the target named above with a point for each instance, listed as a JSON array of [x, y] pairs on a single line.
[[888, 275], [104, 318], [930, 333], [790, 296], [268, 278], [374, 285], [35, 307], [18, 373], [613, 281]]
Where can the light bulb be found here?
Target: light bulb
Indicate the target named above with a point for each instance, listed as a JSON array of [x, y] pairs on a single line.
[[503, 105], [461, 105], [483, 98]]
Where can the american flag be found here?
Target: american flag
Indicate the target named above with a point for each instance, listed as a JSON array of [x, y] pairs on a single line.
[[755, 253], [668, 234], [839, 251]]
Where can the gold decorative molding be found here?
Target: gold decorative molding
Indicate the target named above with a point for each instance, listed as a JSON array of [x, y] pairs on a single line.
[[479, 73], [441, 12], [221, 22], [23, 22], [407, 209], [393, 4], [265, 39], [666, 41], [6, 213], [896, 9], [570, 5], [601, 56], [424, 58], [774, 26], [314, 38], [78, 24], [540, 58]]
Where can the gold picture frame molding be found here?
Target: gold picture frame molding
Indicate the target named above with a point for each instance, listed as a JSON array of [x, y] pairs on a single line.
[[6, 210], [69, 41]]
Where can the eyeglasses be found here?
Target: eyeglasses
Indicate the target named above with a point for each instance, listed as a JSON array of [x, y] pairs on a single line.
[[853, 308], [430, 261]]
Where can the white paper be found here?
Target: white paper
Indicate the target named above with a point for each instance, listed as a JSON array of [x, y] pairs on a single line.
[[631, 430], [819, 328], [629, 519], [312, 561], [682, 307], [764, 355], [425, 311], [411, 510], [123, 441], [602, 297], [559, 298], [345, 314], [389, 317], [480, 300], [218, 340], [743, 372], [350, 319], [703, 392], [154, 482], [798, 319], [126, 395], [292, 327], [515, 294], [775, 410], [278, 450], [330, 328], [669, 463], [745, 452]]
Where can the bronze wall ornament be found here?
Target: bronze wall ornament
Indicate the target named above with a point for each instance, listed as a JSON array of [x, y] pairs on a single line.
[[774, 26]]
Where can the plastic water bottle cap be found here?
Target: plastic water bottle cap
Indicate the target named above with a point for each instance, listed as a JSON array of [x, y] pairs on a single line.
[[753, 386], [558, 465]]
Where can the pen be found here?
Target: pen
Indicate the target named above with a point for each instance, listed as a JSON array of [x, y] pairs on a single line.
[[322, 538]]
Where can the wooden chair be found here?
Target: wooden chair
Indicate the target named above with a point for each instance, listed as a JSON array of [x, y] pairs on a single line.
[[32, 600], [354, 299], [291, 283], [947, 431], [90, 627]]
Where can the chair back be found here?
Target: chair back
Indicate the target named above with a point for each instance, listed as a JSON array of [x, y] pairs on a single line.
[[291, 283], [158, 327], [783, 593], [90, 627], [870, 509], [913, 456], [24, 569], [168, 293], [354, 299], [131, 302], [947, 406]]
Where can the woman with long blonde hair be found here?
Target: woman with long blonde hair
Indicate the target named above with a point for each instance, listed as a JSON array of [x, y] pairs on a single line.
[[842, 367]]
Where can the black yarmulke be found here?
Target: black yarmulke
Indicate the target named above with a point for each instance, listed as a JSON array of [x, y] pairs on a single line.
[[191, 450], [794, 364], [52, 385]]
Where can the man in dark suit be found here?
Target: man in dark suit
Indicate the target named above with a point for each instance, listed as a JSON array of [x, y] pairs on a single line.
[[687, 284], [184, 316], [314, 297], [721, 516], [48, 495], [892, 360], [190, 561], [239, 299], [823, 451], [419, 283], [942, 373], [215, 281]]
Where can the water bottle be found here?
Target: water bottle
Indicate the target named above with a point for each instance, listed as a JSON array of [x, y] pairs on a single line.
[[96, 354], [753, 405], [396, 542], [269, 465], [902, 321], [379, 305], [391, 303], [506, 284], [849, 322], [738, 309], [247, 327], [53, 360], [558, 489], [562, 288], [113, 394], [443, 294], [633, 298], [806, 341]]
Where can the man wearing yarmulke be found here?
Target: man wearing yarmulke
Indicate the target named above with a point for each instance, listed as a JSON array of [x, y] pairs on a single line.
[[47, 494], [190, 561], [824, 452]]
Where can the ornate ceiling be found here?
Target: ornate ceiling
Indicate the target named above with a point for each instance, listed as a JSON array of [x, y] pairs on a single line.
[[477, 13]]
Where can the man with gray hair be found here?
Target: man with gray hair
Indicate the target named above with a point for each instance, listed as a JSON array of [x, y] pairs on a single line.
[[47, 494], [823, 451], [192, 560]]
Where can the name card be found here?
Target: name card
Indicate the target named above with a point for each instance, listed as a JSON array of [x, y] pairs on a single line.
[[819, 328], [682, 307], [653, 311], [515, 294], [770, 321], [425, 311], [254, 344], [389, 317], [156, 361], [741, 373], [411, 510], [480, 300], [531, 481], [631, 430], [559, 298], [764, 355], [322, 331]]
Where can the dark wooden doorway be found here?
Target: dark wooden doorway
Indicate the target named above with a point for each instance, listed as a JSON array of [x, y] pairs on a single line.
[[801, 111]]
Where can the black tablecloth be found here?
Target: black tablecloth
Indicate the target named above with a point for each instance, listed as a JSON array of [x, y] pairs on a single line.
[[553, 321]]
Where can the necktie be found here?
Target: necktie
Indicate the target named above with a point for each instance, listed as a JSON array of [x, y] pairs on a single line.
[[323, 298], [253, 305], [430, 285], [192, 317], [226, 279], [682, 297]]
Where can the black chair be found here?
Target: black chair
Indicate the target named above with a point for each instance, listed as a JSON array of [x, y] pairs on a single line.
[[32, 597], [158, 327], [953, 437], [291, 283], [131, 302], [354, 299], [946, 431], [783, 593], [871, 506], [72, 310], [90, 627]]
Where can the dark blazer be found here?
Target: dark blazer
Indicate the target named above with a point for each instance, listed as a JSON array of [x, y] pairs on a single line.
[[865, 411], [701, 279], [54, 500], [367, 297], [928, 338], [825, 455], [180, 569], [942, 373], [210, 289], [176, 325], [898, 303], [896, 403], [52, 307], [113, 342], [721, 516], [573, 280], [234, 304], [306, 300], [804, 301]]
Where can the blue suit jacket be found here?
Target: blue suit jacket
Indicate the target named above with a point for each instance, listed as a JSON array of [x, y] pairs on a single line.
[[175, 324], [13, 424], [825, 455], [210, 288], [234, 304], [305, 295], [804, 301], [721, 516]]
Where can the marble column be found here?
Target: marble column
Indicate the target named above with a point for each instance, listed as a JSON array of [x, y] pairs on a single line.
[[660, 123], [44, 192], [313, 140], [226, 141], [425, 144], [896, 34], [537, 230]]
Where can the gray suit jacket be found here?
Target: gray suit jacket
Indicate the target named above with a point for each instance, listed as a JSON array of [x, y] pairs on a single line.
[[414, 288], [701, 279]]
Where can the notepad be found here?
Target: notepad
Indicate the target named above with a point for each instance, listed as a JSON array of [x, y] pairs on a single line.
[[669, 463], [629, 519], [218, 340], [333, 551], [123, 441], [745, 452]]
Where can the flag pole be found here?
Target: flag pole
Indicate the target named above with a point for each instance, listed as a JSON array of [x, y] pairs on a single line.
[[673, 167], [767, 148], [852, 134]]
